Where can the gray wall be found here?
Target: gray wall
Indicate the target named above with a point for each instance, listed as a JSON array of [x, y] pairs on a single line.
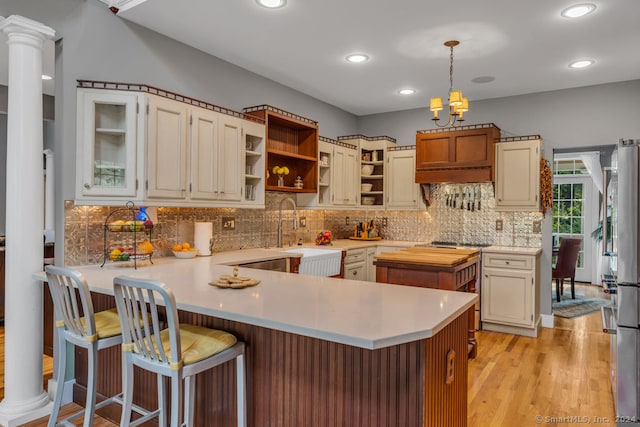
[[594, 115]]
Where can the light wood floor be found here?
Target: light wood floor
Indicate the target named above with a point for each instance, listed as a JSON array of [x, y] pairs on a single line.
[[562, 373]]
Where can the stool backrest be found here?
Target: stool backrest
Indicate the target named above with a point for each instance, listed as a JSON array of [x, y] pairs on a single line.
[[140, 322], [72, 301]]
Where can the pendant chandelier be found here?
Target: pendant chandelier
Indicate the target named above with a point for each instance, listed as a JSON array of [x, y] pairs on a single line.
[[458, 104]]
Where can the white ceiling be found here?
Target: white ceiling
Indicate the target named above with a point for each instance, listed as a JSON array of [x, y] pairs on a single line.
[[526, 45]]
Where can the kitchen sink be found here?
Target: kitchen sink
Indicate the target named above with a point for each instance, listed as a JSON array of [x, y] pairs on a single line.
[[319, 262]]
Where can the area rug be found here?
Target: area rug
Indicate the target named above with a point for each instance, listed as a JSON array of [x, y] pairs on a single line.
[[580, 306]]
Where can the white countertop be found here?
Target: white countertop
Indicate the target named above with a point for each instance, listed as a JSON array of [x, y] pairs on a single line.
[[518, 250], [361, 314]]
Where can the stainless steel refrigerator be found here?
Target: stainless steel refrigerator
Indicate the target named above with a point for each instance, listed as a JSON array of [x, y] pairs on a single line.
[[625, 324]]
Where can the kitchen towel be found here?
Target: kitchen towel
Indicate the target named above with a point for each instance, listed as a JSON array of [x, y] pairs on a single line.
[[203, 238]]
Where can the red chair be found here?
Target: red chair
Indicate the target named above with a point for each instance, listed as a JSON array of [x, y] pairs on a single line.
[[565, 267]]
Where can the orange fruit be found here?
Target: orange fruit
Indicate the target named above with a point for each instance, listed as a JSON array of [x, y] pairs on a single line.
[[186, 246], [177, 247]]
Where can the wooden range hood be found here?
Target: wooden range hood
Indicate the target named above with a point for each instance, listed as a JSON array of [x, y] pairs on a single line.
[[456, 155]]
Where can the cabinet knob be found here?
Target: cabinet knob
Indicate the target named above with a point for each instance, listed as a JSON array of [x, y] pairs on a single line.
[[506, 262], [499, 200], [87, 186], [486, 275], [355, 272]]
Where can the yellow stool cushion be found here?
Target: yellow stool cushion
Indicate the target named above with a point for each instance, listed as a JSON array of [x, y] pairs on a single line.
[[107, 323], [198, 342]]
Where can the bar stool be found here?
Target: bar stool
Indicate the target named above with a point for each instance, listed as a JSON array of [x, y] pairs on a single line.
[[179, 352], [79, 325]]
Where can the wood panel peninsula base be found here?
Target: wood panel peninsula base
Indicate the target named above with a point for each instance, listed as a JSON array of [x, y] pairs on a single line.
[[320, 351], [438, 268]]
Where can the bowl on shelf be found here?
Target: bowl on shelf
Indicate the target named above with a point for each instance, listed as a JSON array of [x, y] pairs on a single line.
[[367, 170], [185, 254], [366, 187], [367, 200]]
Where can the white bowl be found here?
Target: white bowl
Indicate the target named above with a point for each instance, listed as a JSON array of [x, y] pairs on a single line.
[[366, 187], [185, 254], [367, 200], [367, 170]]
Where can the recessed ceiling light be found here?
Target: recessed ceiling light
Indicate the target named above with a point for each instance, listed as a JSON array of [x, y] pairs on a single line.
[[582, 63], [407, 91], [45, 77], [578, 10], [272, 4], [357, 58], [483, 79]]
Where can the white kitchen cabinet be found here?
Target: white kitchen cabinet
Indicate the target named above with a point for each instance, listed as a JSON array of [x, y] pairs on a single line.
[[510, 292], [109, 126], [167, 149], [216, 152], [254, 139], [344, 173], [355, 264], [518, 175], [372, 154], [325, 179], [337, 176], [402, 191], [355, 271], [370, 275], [182, 154]]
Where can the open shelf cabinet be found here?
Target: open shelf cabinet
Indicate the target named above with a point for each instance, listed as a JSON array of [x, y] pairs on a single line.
[[292, 142]]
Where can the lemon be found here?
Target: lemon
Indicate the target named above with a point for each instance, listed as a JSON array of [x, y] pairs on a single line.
[[177, 247]]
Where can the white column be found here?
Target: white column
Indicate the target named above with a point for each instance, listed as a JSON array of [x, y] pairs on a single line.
[[49, 196], [24, 397]]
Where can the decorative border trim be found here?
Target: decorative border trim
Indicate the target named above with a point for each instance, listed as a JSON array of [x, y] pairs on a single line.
[[520, 138], [137, 87], [465, 127], [368, 138], [334, 142], [401, 148], [279, 111]]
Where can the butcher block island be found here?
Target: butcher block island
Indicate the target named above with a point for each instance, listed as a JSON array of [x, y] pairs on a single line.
[[438, 268], [320, 351]]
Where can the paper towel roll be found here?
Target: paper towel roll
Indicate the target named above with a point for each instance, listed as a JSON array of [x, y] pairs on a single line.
[[203, 238]]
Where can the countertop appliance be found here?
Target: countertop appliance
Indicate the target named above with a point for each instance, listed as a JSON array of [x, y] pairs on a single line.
[[623, 319]]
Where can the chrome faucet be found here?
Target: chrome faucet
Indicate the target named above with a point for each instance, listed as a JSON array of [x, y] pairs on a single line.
[[295, 219]]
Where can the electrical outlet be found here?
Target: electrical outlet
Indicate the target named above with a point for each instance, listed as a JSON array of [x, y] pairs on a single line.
[[303, 222], [537, 226], [228, 223], [346, 220], [498, 225]]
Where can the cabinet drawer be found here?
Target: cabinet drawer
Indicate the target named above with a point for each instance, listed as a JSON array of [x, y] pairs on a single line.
[[354, 271], [523, 262], [355, 255]]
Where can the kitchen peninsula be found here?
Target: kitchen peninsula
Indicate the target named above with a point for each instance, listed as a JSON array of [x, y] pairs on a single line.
[[320, 351]]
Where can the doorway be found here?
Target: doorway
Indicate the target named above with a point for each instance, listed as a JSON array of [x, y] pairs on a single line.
[[575, 207]]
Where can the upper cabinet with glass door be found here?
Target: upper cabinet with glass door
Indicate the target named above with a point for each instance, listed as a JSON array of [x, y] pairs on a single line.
[[108, 128]]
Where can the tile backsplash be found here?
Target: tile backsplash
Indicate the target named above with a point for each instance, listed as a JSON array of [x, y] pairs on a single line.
[[85, 236]]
